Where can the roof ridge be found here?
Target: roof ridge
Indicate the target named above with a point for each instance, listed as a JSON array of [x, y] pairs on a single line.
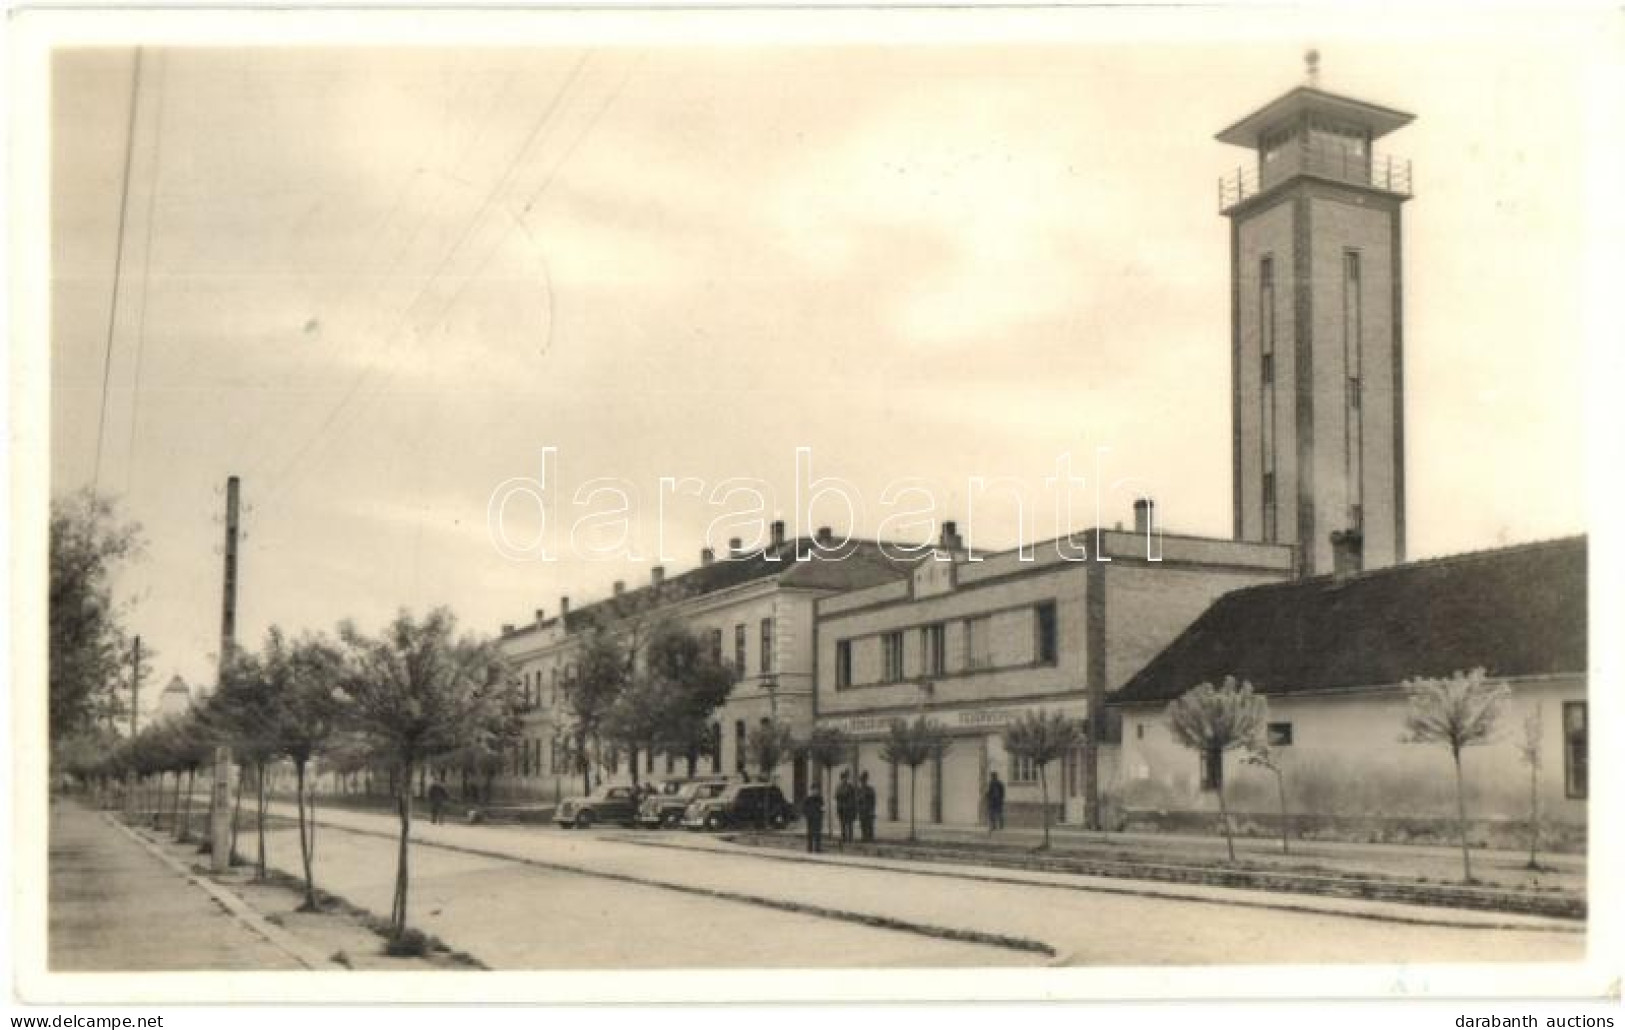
[[1434, 560]]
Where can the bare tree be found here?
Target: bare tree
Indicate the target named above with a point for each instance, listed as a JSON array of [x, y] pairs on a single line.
[[417, 690], [1041, 738], [1260, 753], [1458, 712], [1212, 721], [1529, 749], [913, 743]]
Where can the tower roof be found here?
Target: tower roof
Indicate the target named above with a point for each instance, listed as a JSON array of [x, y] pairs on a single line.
[[1378, 119]]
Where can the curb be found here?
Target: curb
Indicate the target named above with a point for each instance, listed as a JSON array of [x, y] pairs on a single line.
[[1512, 901], [234, 905], [792, 855], [950, 933]]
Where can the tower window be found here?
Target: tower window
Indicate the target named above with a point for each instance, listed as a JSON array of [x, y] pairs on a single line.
[[1575, 778], [1267, 369], [934, 645], [1269, 507], [843, 663], [892, 656], [1047, 640]]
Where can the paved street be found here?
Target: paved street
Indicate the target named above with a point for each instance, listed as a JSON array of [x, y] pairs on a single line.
[[513, 915], [116, 906]]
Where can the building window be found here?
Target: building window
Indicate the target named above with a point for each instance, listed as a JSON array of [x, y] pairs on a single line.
[[843, 664], [934, 649], [716, 646], [1212, 769], [1048, 646], [739, 648], [892, 656], [1278, 734], [767, 645], [1267, 369], [716, 747], [1022, 769], [1353, 428], [978, 636], [1575, 770], [739, 745]]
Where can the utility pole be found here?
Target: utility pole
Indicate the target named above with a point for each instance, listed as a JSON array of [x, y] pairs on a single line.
[[135, 688], [220, 795]]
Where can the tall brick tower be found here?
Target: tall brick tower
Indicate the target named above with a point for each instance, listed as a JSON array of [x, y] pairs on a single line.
[[1315, 314]]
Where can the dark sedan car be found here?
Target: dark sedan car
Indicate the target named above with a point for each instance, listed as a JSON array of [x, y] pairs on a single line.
[[743, 805], [604, 805]]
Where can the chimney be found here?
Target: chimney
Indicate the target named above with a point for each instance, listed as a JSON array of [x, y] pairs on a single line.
[[507, 628], [1348, 553], [541, 616], [736, 547], [620, 587], [825, 536], [564, 607], [778, 533], [950, 537], [1145, 511], [707, 556], [657, 575]]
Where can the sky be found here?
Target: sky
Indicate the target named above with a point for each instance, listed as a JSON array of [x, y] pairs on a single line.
[[377, 282]]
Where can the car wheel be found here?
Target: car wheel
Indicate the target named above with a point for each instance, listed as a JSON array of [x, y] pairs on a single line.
[[779, 821], [584, 821], [712, 822], [670, 822]]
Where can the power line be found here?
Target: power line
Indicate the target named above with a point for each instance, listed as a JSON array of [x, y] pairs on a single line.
[[280, 478], [146, 268], [118, 267]]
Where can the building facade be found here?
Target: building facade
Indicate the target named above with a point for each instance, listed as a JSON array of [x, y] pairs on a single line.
[[974, 642], [1331, 655], [754, 610]]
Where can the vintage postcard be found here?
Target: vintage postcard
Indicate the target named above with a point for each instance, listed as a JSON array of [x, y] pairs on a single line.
[[792, 505]]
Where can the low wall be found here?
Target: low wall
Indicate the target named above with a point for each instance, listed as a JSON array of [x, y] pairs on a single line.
[[1564, 838]]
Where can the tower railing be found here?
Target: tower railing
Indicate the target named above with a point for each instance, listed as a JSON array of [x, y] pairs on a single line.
[[1325, 161]]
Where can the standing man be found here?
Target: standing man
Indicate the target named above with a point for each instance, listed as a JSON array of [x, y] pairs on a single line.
[[995, 802], [866, 806], [846, 806], [437, 800], [812, 812]]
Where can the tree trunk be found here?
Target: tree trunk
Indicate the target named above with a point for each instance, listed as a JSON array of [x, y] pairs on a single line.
[[1280, 789], [397, 916], [1224, 812], [1534, 815], [259, 819], [1461, 817], [1043, 798], [175, 808], [306, 840], [913, 794], [236, 815], [186, 813]]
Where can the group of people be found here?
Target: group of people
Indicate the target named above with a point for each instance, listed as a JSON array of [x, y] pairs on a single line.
[[854, 807]]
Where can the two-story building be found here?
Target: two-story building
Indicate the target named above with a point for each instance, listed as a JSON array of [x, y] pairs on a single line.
[[754, 609]]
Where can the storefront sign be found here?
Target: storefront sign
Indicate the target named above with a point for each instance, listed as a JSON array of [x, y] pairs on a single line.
[[964, 718]]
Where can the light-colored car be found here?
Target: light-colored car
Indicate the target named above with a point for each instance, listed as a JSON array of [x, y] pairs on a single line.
[[666, 807], [604, 805]]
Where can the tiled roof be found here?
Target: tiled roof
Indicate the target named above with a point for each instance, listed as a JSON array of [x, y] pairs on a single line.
[[861, 563], [1516, 611]]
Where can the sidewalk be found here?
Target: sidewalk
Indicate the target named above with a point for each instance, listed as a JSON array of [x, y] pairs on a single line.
[[115, 907]]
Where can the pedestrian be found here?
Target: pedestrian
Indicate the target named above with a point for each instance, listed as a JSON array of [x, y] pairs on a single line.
[[846, 806], [812, 811], [995, 803], [866, 806], [438, 796]]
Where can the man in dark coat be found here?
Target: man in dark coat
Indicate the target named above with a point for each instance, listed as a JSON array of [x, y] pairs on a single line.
[[846, 806], [866, 806], [995, 803], [812, 813], [438, 795]]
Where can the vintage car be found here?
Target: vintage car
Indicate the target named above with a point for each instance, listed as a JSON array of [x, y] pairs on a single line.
[[604, 805], [665, 808], [741, 805]]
